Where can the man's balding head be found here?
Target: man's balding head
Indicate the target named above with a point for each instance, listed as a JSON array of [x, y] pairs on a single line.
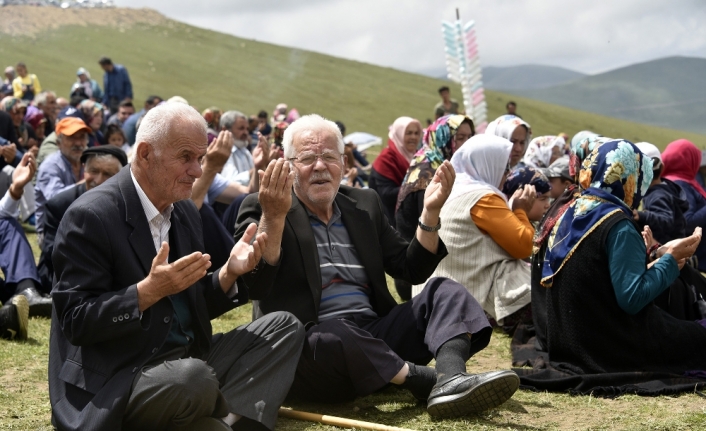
[[171, 142]]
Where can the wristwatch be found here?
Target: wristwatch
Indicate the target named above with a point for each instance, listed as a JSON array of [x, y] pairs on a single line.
[[426, 228]]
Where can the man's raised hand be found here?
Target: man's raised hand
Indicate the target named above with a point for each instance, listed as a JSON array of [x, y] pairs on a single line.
[[24, 172], [261, 153], [276, 189], [167, 278], [245, 255], [440, 187], [219, 151]]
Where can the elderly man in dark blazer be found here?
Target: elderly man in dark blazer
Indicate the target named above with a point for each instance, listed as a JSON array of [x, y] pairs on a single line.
[[131, 343], [328, 250]]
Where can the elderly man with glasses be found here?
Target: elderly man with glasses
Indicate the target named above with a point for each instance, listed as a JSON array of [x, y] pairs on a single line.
[[329, 247]]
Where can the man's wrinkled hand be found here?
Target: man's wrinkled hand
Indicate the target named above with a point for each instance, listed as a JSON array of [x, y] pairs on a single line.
[[167, 278], [219, 151], [261, 153], [246, 253], [439, 188], [25, 170], [276, 189]]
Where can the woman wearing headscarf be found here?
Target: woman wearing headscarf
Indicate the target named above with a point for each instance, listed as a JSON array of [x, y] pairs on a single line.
[[390, 167], [93, 116], [515, 130], [580, 150], [522, 177], [599, 291], [487, 239], [441, 140], [681, 161], [212, 116], [17, 108], [543, 151], [87, 86]]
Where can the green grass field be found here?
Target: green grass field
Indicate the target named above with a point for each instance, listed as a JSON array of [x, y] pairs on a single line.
[[210, 68], [24, 399]]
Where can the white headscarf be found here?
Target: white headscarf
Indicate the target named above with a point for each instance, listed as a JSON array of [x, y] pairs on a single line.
[[397, 132], [480, 165], [505, 125], [540, 149]]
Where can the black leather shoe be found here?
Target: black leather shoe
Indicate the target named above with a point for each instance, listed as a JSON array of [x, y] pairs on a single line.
[[14, 318], [39, 305], [467, 393]]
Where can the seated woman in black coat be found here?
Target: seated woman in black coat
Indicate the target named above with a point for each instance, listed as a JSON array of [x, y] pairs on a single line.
[[599, 290]]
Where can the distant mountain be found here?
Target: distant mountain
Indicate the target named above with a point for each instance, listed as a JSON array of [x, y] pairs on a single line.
[[669, 92], [527, 77]]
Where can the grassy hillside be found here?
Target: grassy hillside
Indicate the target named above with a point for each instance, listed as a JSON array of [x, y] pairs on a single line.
[[669, 92], [209, 68]]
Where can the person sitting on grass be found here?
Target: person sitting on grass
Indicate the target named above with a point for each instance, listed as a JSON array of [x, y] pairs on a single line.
[[99, 164], [329, 248], [131, 343], [682, 160], [487, 238], [595, 277], [17, 260]]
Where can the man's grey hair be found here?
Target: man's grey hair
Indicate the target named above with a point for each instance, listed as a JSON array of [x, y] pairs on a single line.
[[110, 157], [155, 125], [311, 122], [229, 118], [41, 98]]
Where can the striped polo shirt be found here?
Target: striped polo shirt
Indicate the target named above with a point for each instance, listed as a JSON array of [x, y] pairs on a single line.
[[345, 291]]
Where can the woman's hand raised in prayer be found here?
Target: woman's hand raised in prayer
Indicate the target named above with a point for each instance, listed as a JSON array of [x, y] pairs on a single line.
[[439, 188], [682, 248], [648, 237]]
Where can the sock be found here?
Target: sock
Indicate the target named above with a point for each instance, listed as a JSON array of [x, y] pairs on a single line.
[[419, 381], [24, 284], [452, 356]]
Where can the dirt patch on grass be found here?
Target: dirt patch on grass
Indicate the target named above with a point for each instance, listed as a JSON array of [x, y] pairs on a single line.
[[30, 20]]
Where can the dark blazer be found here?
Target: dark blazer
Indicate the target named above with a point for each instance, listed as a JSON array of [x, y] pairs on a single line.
[[295, 284], [54, 211], [98, 340]]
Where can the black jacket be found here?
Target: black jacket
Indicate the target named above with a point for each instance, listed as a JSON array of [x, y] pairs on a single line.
[[664, 207], [295, 284], [54, 211], [98, 341]]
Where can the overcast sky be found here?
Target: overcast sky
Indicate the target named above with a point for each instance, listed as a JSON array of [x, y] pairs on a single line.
[[588, 36]]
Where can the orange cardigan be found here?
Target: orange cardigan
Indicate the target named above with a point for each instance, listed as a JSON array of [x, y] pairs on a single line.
[[512, 230]]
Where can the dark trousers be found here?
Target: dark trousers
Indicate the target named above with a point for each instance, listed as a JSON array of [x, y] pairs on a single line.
[[346, 358], [247, 372], [16, 258]]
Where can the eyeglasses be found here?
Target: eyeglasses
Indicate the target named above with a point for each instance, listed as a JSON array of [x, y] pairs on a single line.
[[308, 159]]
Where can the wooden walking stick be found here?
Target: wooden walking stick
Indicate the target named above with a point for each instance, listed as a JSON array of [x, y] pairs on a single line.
[[336, 421]]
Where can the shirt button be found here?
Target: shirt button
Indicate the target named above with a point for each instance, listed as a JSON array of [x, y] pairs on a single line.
[[120, 318], [115, 319], [126, 316], [167, 319]]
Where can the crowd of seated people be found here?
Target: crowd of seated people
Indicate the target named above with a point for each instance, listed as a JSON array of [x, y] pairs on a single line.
[[152, 223]]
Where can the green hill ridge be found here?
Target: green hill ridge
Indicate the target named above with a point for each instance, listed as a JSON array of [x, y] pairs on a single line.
[[167, 58]]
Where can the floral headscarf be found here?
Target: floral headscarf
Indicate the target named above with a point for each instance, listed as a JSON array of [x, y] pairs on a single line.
[[438, 145], [524, 176], [614, 178], [539, 152]]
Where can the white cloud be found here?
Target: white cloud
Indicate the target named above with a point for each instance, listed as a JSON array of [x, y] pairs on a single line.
[[588, 36]]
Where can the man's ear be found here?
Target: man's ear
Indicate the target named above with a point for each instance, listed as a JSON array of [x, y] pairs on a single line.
[[143, 151]]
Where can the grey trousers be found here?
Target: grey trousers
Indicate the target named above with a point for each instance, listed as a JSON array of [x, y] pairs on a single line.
[[248, 372]]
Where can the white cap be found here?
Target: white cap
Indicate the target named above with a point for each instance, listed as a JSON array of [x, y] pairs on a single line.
[[649, 150]]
